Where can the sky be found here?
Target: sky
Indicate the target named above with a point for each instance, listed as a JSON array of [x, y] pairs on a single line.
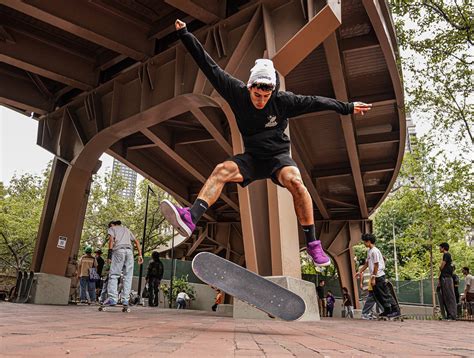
[[19, 152]]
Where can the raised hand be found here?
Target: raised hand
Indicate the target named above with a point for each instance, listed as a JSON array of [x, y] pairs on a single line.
[[361, 107], [179, 24]]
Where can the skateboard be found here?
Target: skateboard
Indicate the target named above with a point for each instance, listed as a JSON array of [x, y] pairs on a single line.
[[401, 317], [249, 287], [126, 309]]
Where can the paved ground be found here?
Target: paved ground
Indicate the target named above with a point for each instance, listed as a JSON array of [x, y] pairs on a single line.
[[80, 331]]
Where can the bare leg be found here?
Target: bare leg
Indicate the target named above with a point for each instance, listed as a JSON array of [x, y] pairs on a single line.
[[290, 178], [223, 173]]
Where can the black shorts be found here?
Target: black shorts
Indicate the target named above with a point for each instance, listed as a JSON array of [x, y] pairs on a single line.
[[253, 168]]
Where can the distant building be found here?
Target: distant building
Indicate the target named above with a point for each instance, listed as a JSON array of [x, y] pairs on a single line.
[[411, 135], [129, 176], [470, 236]]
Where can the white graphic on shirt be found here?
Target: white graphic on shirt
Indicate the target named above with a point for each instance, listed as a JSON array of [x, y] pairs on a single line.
[[272, 122]]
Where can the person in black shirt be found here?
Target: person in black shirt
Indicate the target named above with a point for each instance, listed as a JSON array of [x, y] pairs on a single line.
[[321, 298], [347, 303], [100, 267], [262, 113], [154, 275], [446, 282]]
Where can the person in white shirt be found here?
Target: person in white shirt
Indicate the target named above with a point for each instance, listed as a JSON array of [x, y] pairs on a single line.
[[181, 300], [376, 264], [120, 257], [468, 296]]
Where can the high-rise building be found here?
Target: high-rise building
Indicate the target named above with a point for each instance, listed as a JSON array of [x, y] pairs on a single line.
[[411, 134], [128, 175]]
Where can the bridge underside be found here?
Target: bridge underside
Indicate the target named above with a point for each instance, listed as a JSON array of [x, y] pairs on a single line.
[[113, 78]]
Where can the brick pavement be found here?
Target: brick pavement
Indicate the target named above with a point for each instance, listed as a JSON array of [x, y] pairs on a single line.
[[80, 331]]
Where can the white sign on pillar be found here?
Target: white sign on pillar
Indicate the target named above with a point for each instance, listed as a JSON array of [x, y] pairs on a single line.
[[62, 242]]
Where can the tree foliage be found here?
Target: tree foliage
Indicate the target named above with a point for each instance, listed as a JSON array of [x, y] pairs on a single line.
[[20, 213], [433, 205], [436, 40], [106, 204]]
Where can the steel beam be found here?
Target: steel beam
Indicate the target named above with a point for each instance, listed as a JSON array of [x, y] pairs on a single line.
[[386, 36], [212, 127], [207, 11], [378, 138], [308, 38], [54, 62], [308, 181], [329, 173], [183, 163], [86, 20], [331, 49], [20, 92]]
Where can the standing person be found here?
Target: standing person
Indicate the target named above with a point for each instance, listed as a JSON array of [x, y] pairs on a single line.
[[100, 267], [262, 113], [120, 257], [181, 300], [321, 298], [446, 282], [330, 302], [154, 275], [371, 306], [456, 285], [105, 283], [347, 303], [86, 262], [468, 295], [376, 264], [218, 301]]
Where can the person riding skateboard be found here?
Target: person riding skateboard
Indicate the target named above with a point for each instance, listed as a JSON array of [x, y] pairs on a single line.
[[120, 258], [262, 113]]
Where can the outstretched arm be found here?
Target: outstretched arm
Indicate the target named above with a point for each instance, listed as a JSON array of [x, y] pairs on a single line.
[[296, 105], [140, 257], [224, 83]]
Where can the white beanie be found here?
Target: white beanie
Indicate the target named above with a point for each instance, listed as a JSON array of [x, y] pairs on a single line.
[[263, 72]]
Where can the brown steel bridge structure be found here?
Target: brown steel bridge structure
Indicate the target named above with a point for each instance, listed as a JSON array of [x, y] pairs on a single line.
[[111, 76]]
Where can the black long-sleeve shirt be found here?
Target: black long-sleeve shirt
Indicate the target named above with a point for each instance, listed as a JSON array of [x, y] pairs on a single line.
[[262, 129]]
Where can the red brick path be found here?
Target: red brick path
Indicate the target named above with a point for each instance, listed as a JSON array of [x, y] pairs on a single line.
[[80, 331]]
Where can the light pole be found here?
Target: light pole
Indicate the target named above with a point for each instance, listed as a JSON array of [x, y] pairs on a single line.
[[143, 240], [395, 259], [172, 270]]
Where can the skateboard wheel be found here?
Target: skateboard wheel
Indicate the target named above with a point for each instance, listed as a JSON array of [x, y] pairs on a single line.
[[101, 309]]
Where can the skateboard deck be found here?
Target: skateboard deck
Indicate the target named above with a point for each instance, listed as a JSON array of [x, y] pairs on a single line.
[[249, 287], [104, 308]]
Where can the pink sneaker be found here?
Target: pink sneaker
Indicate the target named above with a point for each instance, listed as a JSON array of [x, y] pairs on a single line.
[[179, 218], [315, 250]]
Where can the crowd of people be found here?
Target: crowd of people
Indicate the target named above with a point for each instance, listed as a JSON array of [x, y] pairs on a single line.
[[377, 294], [109, 281]]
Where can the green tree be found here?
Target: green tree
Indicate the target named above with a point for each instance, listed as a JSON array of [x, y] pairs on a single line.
[[20, 212], [433, 205], [106, 204], [436, 39]]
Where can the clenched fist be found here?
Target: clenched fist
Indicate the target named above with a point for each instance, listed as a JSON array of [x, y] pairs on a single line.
[[179, 24]]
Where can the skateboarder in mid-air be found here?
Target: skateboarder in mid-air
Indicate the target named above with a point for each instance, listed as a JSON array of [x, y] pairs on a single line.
[[262, 113]]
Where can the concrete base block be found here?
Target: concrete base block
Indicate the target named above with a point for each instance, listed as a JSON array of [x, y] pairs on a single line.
[[50, 289], [304, 289], [225, 310]]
